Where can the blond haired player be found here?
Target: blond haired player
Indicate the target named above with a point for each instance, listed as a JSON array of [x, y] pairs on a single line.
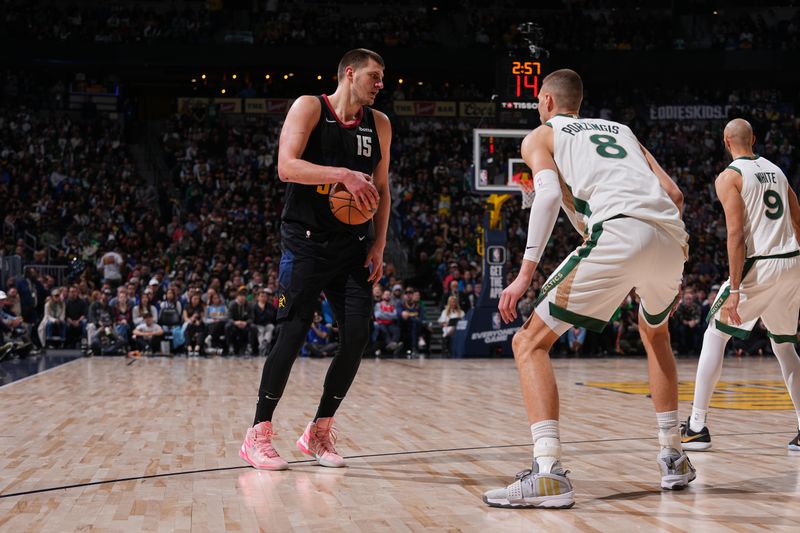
[[763, 220], [629, 210]]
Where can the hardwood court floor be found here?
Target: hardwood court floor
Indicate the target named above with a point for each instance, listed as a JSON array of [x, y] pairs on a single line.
[[101, 445]]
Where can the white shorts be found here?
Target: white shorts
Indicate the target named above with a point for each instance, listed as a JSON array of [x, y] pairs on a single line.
[[621, 254], [770, 290]]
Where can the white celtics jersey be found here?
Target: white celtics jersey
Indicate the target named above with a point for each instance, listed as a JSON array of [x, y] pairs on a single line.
[[765, 190], [605, 171]]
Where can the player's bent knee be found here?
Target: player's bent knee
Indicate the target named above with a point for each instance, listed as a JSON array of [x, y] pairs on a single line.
[[532, 340]]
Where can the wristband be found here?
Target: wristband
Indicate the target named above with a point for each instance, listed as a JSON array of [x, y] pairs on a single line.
[[734, 291]]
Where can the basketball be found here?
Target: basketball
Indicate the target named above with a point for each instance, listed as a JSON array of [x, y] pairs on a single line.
[[344, 208]]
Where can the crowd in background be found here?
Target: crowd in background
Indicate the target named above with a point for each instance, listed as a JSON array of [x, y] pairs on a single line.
[[72, 185], [568, 24]]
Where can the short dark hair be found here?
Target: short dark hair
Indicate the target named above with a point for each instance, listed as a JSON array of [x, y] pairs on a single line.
[[567, 87], [357, 58]]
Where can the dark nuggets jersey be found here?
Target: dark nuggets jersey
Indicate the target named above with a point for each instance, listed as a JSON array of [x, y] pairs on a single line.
[[331, 143]]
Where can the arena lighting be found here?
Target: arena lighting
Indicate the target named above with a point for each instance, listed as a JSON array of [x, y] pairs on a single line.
[[286, 76], [194, 80], [419, 83], [319, 76], [203, 76], [400, 81], [266, 77], [291, 74], [223, 91], [234, 76]]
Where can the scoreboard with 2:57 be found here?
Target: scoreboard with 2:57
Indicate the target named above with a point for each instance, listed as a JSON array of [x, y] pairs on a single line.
[[519, 78]]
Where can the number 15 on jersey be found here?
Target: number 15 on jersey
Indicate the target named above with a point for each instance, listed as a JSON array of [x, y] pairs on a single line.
[[364, 146]]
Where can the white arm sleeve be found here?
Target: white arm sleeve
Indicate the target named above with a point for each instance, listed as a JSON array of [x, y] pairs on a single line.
[[544, 212]]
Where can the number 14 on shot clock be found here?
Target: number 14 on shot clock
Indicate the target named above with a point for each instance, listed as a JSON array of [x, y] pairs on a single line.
[[525, 78]]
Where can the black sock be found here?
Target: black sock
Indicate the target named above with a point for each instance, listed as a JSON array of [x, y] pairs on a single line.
[[265, 408], [278, 365], [328, 405]]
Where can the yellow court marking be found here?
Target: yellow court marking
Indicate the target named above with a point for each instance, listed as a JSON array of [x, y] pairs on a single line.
[[753, 394]]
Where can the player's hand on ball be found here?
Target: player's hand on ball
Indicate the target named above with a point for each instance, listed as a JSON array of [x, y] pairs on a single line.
[[364, 192], [509, 298]]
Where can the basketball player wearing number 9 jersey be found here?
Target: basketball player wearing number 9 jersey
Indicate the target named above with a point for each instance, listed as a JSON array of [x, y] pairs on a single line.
[[762, 215], [628, 209], [326, 140]]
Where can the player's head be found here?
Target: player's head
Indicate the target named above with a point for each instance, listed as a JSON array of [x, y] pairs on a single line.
[[738, 136], [561, 92], [362, 70]]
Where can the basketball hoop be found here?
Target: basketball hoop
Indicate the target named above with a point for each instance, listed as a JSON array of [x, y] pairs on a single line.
[[525, 183]]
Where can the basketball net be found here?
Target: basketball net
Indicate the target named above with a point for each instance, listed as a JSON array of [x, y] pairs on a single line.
[[524, 181]]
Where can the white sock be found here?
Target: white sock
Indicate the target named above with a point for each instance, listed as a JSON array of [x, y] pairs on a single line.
[[546, 444], [668, 434], [790, 368], [709, 368]]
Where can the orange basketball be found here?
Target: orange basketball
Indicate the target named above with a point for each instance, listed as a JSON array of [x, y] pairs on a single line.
[[344, 208]]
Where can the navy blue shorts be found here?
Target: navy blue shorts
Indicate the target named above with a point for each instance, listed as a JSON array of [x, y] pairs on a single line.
[[317, 262]]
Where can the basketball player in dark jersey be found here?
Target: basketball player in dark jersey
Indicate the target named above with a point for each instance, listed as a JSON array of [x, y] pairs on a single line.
[[326, 140]]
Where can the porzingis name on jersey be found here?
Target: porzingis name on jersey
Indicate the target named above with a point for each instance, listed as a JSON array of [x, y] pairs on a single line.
[[577, 127]]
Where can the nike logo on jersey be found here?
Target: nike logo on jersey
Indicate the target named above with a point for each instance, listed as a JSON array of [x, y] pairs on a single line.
[[329, 120], [362, 237]]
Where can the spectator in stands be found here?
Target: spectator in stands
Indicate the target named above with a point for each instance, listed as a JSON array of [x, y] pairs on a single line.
[[264, 318], [13, 331], [411, 321], [156, 292], [453, 274], [99, 313], [527, 304], [449, 318], [216, 317], [121, 294], [469, 297], [110, 263], [318, 339], [122, 314], [31, 293], [76, 313], [387, 328], [397, 295], [170, 313], [145, 307], [133, 292], [239, 330], [147, 335], [12, 301], [576, 336], [463, 301], [688, 325], [194, 327], [53, 327]]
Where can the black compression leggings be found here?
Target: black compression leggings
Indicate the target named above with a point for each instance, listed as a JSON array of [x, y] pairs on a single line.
[[353, 336]]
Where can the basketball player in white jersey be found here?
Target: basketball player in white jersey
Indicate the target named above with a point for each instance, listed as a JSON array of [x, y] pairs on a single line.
[[763, 220], [629, 210]]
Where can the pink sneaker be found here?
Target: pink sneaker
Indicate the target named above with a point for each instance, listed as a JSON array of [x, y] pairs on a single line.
[[257, 448], [318, 440]]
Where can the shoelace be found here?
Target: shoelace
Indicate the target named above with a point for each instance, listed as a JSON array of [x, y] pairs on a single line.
[[263, 444], [326, 440]]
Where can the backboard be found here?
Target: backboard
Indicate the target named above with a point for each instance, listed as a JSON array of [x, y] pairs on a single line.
[[496, 158]]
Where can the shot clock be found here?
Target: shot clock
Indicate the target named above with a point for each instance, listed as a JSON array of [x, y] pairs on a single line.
[[522, 78]]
